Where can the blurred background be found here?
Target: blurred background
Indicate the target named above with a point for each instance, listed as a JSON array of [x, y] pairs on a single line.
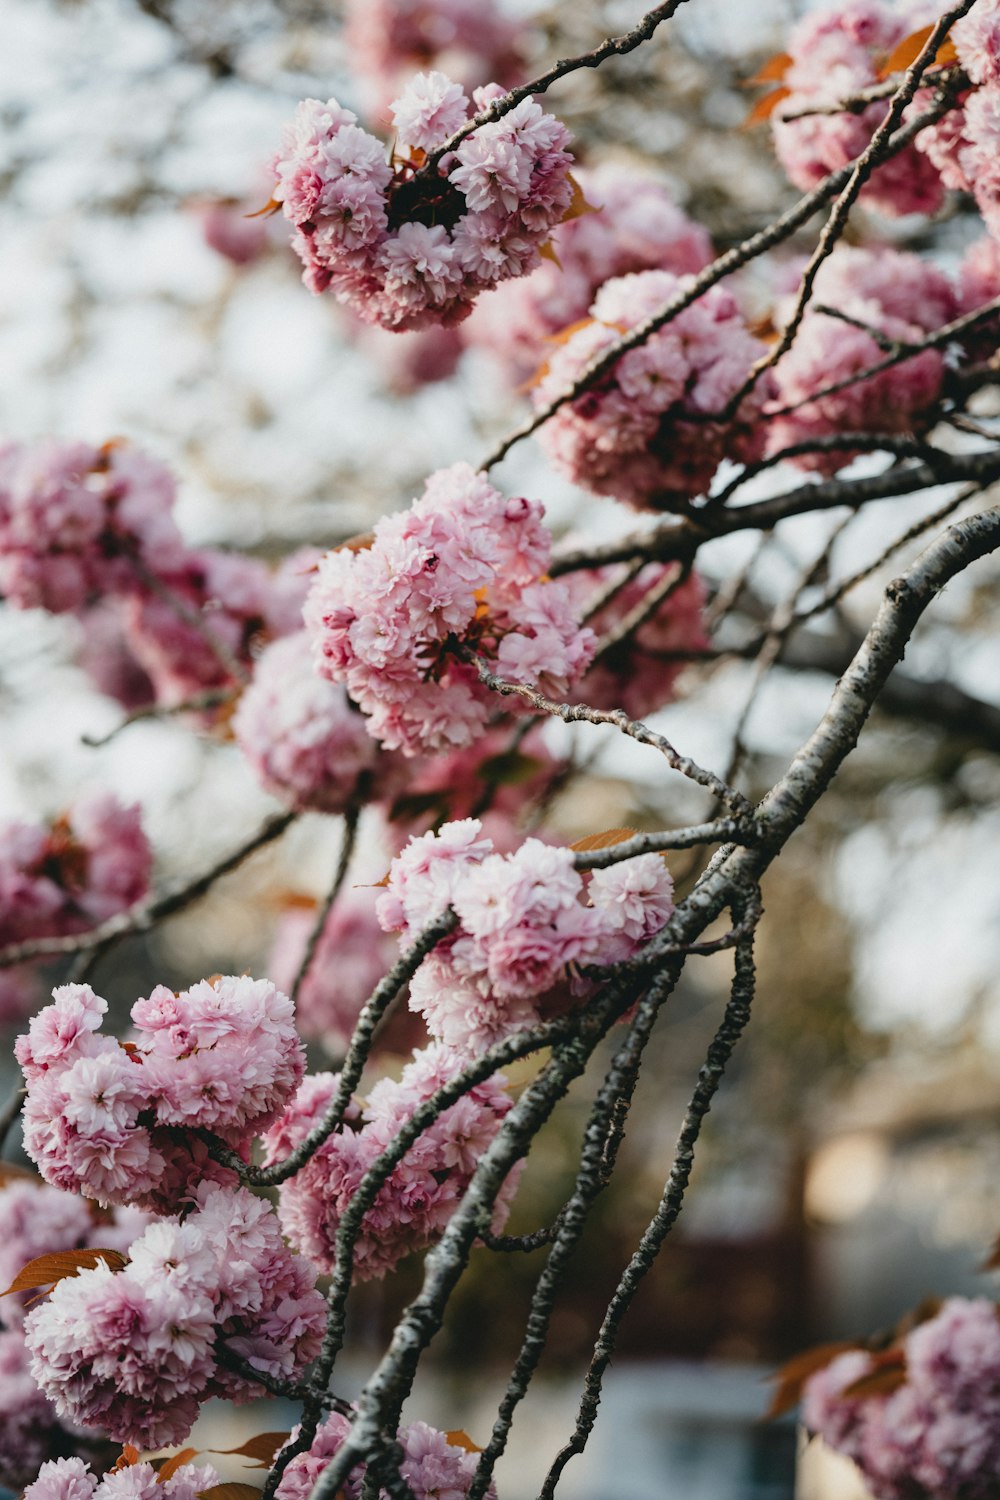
[[850, 1165]]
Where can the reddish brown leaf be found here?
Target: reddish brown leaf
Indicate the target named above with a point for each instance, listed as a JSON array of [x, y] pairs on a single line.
[[231, 1491], [170, 1466], [992, 1261], [263, 1447], [765, 107], [605, 840], [793, 1375], [126, 1459], [272, 206], [906, 52], [773, 71], [548, 252], [578, 204], [879, 1382], [46, 1270], [459, 1439]]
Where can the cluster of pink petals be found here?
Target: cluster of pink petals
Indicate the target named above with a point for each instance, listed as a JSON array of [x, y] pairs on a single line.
[[76, 519], [937, 1435], [406, 250], [902, 297], [635, 226], [36, 1220], [642, 432], [71, 1479], [433, 1467], [303, 737], [415, 1204], [462, 568], [113, 1121], [67, 876], [133, 1352], [351, 956], [30, 1431], [964, 145], [639, 674], [470, 40], [200, 625], [523, 926], [837, 53]]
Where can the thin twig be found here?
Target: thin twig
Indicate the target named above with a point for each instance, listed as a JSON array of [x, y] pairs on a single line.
[[340, 875]]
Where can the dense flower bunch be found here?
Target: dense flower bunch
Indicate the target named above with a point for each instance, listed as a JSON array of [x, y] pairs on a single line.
[[461, 569], [902, 298], [938, 1434], [415, 1204], [71, 1479], [66, 876], [198, 629], [470, 40], [965, 145], [76, 519], [351, 956], [523, 926], [302, 735], [407, 250], [836, 54], [34, 1220], [643, 432], [107, 1120], [433, 1467], [635, 226], [639, 672], [133, 1351]]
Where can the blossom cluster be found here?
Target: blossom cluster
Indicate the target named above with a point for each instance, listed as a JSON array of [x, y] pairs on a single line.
[[901, 298], [66, 876], [413, 1207], [89, 531], [836, 54], [938, 1434], [113, 1121], [461, 570], [632, 224], [406, 247], [472, 41], [133, 1352], [523, 927], [965, 145], [304, 738], [71, 1479], [651, 431], [433, 1467], [75, 520], [35, 1220]]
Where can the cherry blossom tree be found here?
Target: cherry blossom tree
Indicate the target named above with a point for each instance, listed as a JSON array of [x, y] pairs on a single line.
[[206, 1200]]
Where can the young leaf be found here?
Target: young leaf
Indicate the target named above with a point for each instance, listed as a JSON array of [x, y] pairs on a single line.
[[231, 1491], [906, 52], [578, 204], [765, 107], [263, 1447], [272, 206], [510, 768], [459, 1439], [46, 1270], [773, 71], [170, 1466], [881, 1381], [792, 1376], [126, 1459], [605, 840], [11, 1173]]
